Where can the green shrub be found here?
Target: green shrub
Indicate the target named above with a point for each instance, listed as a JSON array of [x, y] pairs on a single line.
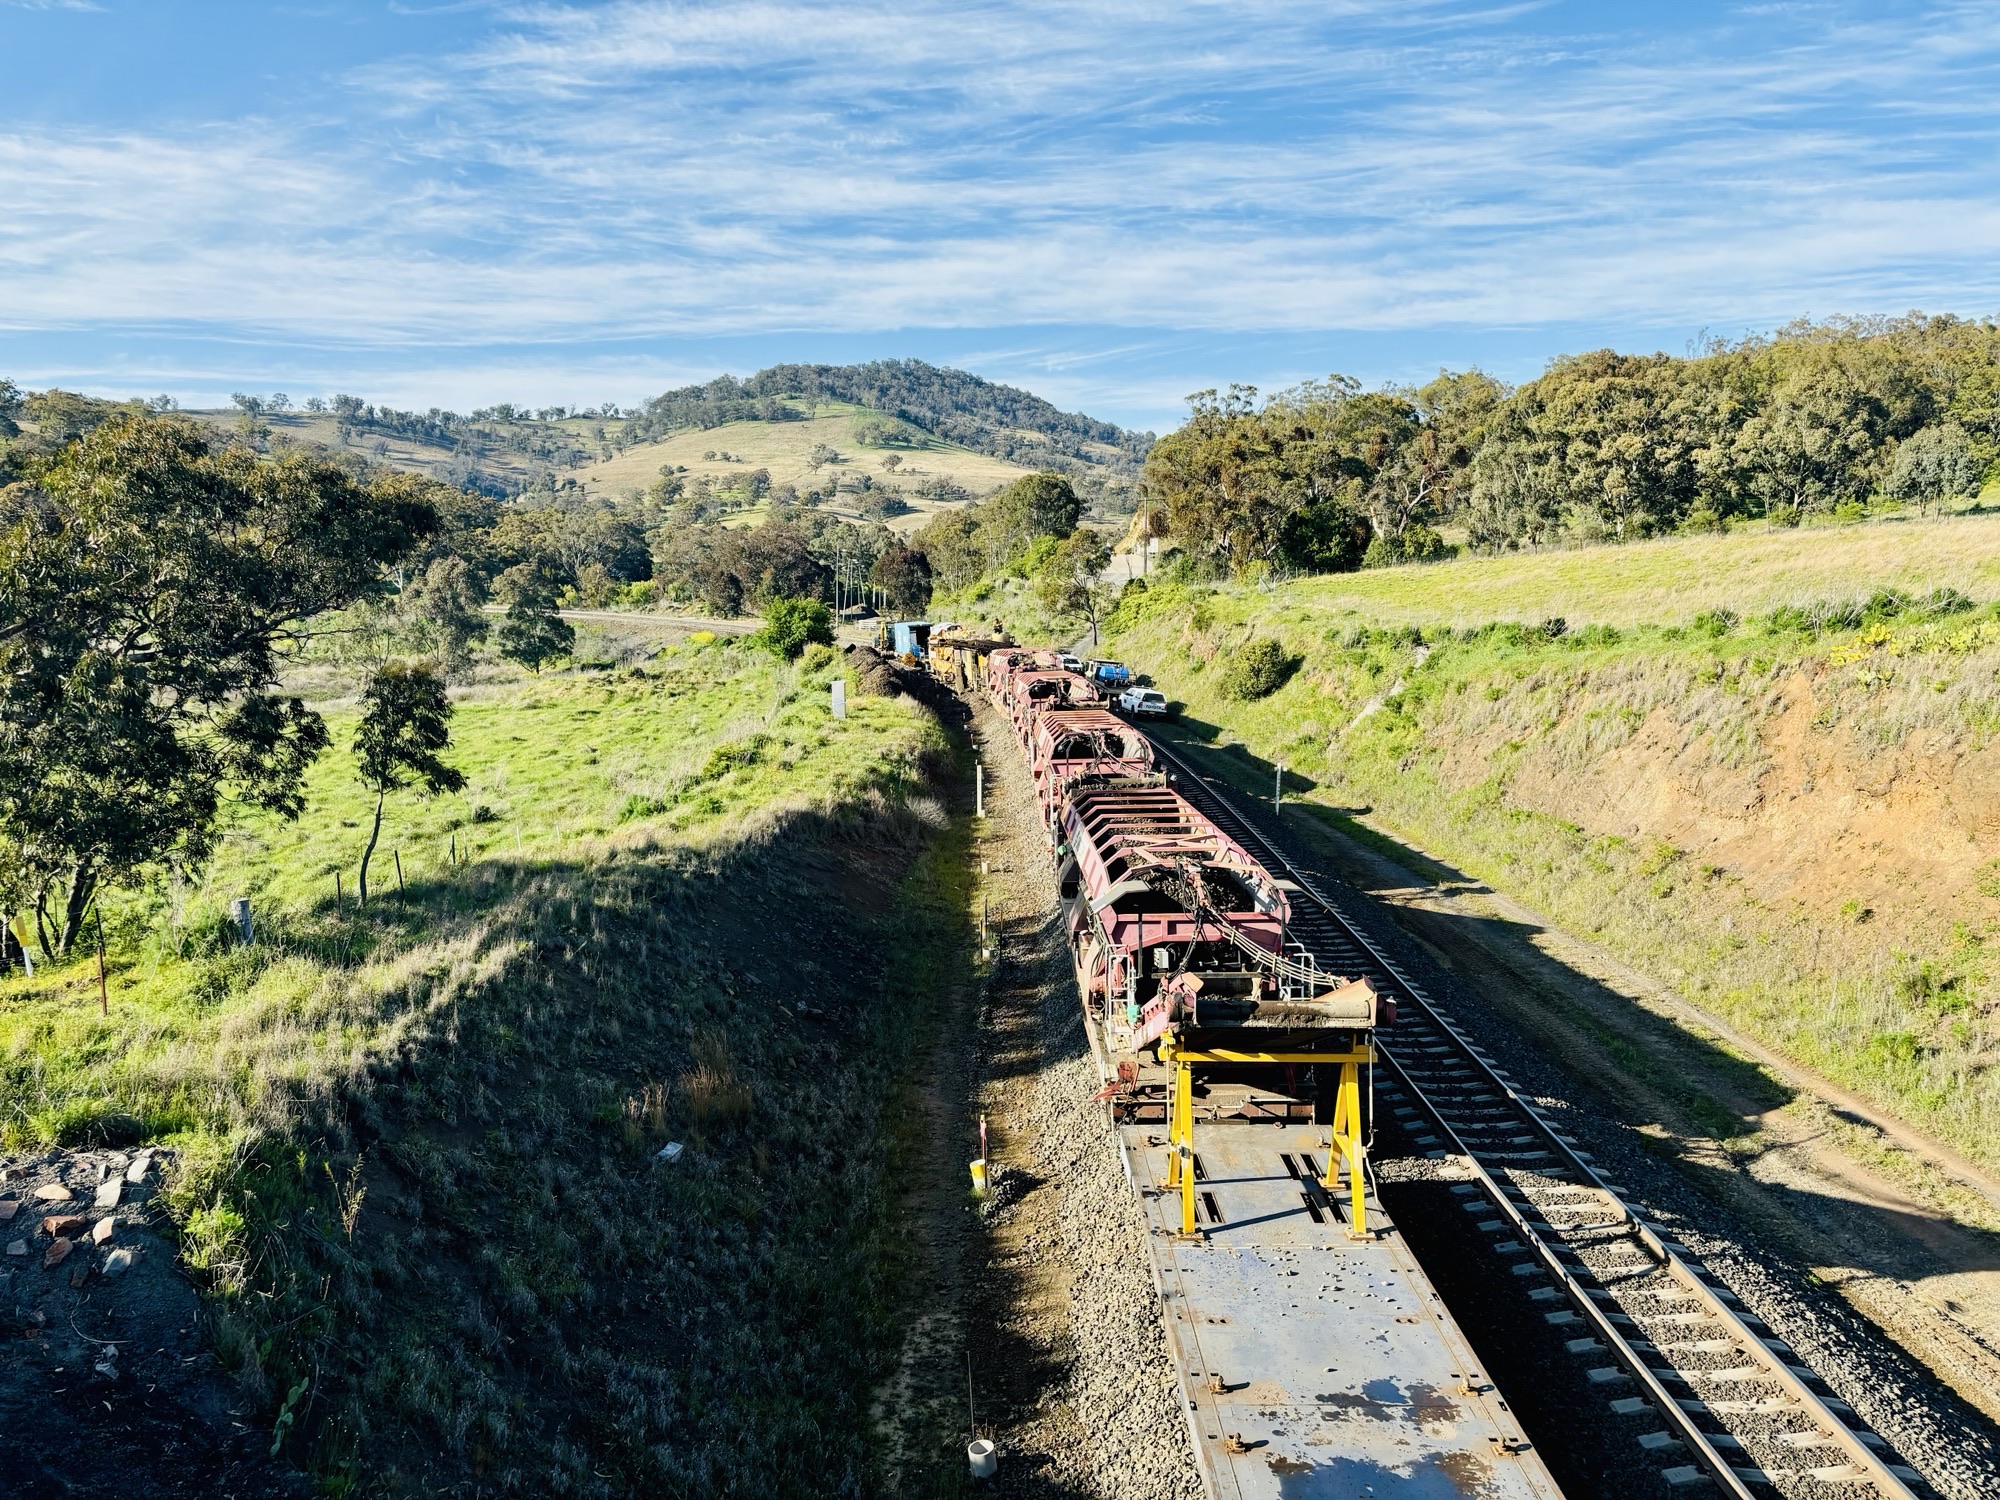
[[726, 758], [1418, 543], [637, 806], [1257, 669], [791, 625]]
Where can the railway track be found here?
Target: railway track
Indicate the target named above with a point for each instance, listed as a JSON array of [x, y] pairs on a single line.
[[1710, 1393]]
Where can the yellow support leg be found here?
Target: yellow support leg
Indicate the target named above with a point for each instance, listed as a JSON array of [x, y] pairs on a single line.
[[1184, 1152], [1347, 1141]]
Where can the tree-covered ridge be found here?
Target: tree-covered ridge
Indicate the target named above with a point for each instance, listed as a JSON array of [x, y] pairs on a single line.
[[961, 408], [1815, 420], [1000, 420]]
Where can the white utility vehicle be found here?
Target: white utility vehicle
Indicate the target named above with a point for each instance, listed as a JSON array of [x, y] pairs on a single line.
[[1143, 703]]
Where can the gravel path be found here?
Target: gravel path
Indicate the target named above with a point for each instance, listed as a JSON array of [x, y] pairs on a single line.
[[1091, 1407]]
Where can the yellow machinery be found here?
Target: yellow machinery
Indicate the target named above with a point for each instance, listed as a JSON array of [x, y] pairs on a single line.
[[1347, 1139]]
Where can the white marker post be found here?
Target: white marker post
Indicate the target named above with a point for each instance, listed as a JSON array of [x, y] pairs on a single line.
[[840, 697], [979, 789], [1278, 788]]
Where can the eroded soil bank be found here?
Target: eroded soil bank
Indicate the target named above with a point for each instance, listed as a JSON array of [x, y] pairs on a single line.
[[1889, 1298]]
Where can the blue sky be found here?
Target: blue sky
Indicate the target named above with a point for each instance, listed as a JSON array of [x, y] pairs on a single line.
[[1113, 204]]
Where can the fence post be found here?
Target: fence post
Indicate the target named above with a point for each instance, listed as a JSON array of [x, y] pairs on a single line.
[[103, 989]]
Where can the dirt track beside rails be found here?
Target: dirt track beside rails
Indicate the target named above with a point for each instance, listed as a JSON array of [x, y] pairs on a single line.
[[1046, 1285]]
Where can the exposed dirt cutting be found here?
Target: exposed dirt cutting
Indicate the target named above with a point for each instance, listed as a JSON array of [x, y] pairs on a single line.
[[1784, 1203]]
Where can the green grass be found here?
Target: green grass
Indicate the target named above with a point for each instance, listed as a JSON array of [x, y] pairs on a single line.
[[416, 1143], [202, 1035], [1652, 786], [1668, 580]]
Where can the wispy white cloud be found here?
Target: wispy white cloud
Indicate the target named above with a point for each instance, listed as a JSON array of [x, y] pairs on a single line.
[[574, 171]]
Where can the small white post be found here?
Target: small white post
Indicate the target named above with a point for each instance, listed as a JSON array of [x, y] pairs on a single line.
[[240, 910], [979, 789], [1278, 788], [840, 697]]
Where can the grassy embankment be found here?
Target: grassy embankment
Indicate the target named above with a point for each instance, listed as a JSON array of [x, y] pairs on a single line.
[[1762, 769], [417, 1175]]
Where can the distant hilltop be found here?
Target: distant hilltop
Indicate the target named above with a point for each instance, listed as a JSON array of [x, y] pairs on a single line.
[[1000, 420], [953, 429]]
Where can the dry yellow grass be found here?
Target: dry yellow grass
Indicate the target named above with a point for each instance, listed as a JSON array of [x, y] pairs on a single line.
[[1674, 578], [783, 448]]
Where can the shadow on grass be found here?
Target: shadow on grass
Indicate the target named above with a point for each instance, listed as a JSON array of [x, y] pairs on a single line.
[[466, 1254]]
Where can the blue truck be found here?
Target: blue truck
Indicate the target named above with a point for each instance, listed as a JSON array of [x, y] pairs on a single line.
[[1106, 673]]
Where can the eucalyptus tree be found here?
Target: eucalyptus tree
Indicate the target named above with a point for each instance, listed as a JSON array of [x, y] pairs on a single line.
[[405, 723], [152, 584]]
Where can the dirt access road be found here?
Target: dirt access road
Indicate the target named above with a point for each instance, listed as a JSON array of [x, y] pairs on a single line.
[[1039, 1297], [1910, 1247]]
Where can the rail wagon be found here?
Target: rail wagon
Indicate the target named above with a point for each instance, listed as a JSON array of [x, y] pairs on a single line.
[[1069, 748], [1179, 935], [1187, 966]]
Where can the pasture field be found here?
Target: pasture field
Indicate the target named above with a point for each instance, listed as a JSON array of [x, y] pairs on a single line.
[[1670, 579], [784, 448], [415, 1145]]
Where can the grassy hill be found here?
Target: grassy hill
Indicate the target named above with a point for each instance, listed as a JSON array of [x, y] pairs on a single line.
[[784, 449], [1673, 578], [416, 1169], [1762, 769], [499, 457], [943, 425]]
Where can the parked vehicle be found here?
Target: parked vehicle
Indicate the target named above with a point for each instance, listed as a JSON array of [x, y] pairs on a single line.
[[1110, 674], [1069, 663], [1143, 703]]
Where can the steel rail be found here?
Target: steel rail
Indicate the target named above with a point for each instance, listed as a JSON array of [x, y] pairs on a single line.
[[1871, 1467]]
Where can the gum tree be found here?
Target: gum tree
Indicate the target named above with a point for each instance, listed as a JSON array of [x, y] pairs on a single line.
[[151, 585], [405, 722]]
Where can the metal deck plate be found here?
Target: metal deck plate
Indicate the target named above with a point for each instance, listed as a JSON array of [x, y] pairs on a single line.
[[1344, 1377]]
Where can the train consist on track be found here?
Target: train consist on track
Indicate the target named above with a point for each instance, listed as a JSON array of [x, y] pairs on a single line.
[[1201, 1001], [1181, 938], [1316, 1357]]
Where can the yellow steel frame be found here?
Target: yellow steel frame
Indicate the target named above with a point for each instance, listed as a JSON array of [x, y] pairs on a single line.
[[1346, 1121]]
